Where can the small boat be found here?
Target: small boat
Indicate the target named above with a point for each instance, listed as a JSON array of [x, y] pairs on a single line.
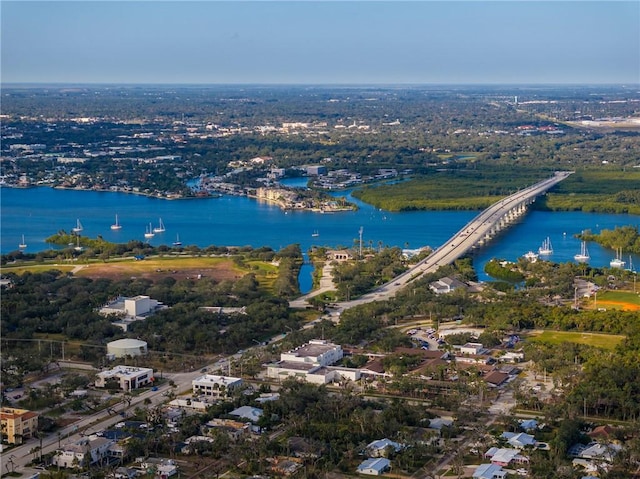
[[531, 256], [546, 248], [22, 244], [160, 228], [149, 232], [177, 242], [617, 261], [315, 233], [583, 255], [116, 225], [78, 227]]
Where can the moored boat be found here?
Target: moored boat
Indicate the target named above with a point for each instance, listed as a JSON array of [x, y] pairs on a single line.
[[546, 248], [78, 227], [116, 225], [583, 255], [160, 228]]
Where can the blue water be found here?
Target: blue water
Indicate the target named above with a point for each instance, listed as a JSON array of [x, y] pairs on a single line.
[[238, 221]]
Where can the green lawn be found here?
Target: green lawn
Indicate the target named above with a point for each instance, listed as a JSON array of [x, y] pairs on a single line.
[[38, 268], [620, 296], [599, 340]]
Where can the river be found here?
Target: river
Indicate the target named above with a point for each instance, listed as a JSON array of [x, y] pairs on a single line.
[[40, 212]]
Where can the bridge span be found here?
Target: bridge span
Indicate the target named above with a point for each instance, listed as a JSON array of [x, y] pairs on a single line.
[[475, 233]]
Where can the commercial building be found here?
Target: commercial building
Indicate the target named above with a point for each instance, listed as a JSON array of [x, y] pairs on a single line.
[[127, 310], [126, 377], [17, 424], [312, 363], [215, 386]]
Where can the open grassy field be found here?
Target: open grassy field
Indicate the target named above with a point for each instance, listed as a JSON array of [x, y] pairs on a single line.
[[598, 340], [37, 268], [624, 300], [154, 268]]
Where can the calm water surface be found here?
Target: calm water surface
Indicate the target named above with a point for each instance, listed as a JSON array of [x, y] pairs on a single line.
[[38, 213]]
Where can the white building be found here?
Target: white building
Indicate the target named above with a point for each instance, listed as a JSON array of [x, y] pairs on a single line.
[[215, 386], [472, 348], [446, 285], [82, 453], [127, 310], [127, 377], [316, 351], [374, 466], [312, 363]]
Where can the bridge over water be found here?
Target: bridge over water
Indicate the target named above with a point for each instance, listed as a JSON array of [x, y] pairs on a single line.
[[479, 230]]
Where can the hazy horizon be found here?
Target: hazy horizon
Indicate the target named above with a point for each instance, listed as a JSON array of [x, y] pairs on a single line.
[[321, 43]]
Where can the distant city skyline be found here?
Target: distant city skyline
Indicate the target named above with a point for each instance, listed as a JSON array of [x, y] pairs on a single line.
[[330, 42]]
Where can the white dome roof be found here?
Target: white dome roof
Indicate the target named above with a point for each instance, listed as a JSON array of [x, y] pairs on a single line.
[[127, 343]]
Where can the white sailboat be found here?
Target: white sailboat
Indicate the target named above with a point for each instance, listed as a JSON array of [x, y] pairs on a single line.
[[22, 244], [78, 227], [315, 233], [546, 248], [617, 261], [583, 255], [149, 232], [116, 225], [177, 242], [160, 228]]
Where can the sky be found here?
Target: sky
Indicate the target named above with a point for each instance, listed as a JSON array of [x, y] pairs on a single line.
[[328, 42]]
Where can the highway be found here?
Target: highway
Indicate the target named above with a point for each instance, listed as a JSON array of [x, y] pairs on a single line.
[[471, 235]]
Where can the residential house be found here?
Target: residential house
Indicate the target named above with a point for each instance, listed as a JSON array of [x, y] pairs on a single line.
[[160, 467], [528, 425], [496, 378], [489, 471], [439, 422], [374, 466], [519, 440], [286, 466], [82, 453], [595, 451], [234, 429], [190, 443], [304, 448], [503, 456], [16, 425], [382, 447], [446, 285], [252, 414]]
